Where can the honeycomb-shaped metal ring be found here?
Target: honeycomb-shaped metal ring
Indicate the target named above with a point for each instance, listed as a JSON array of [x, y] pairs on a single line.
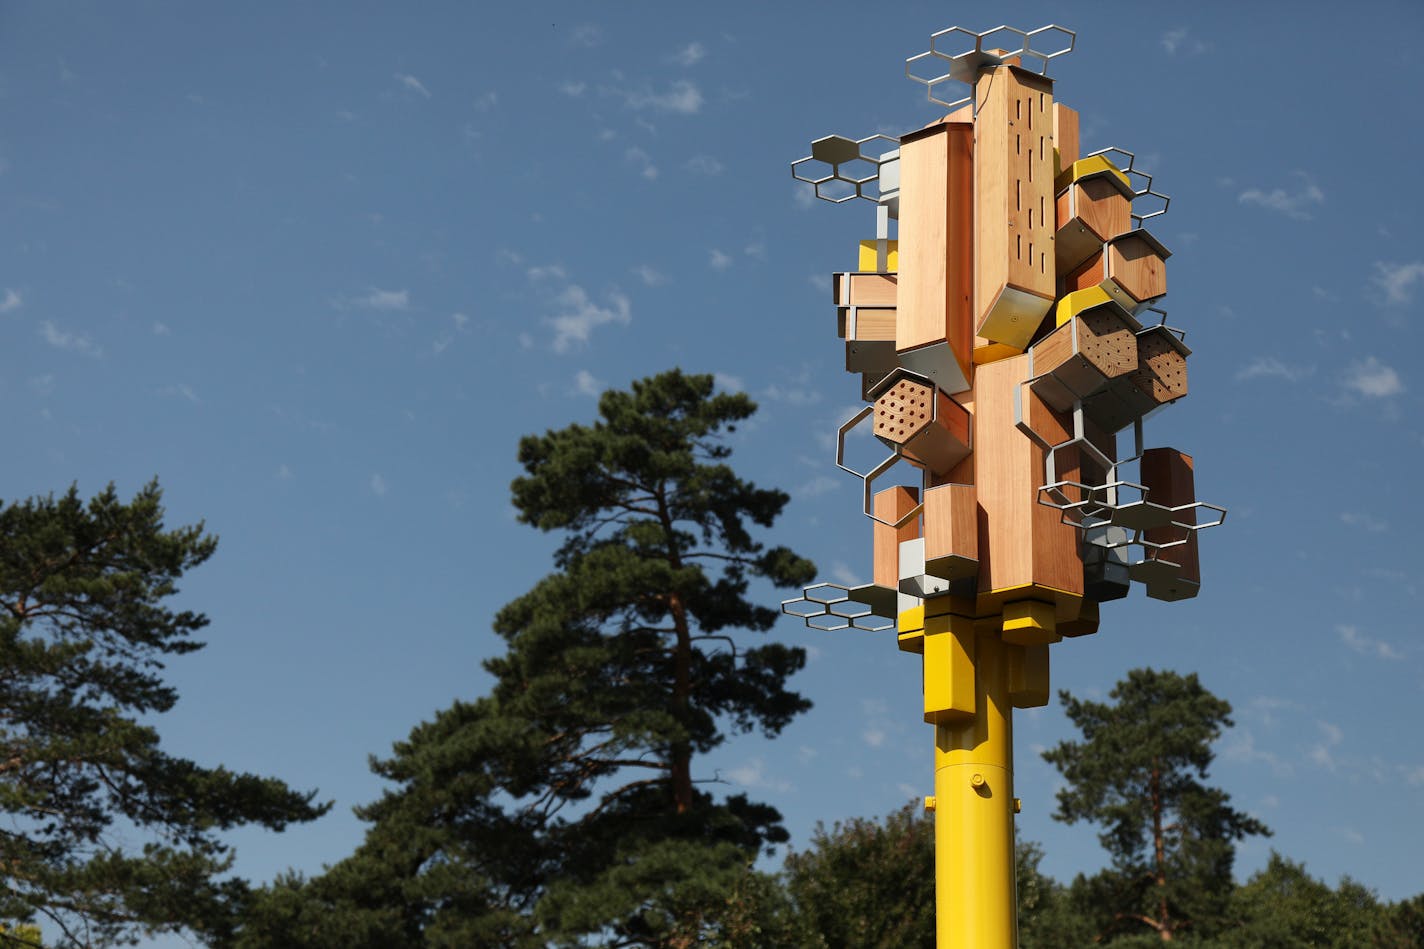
[[840, 168], [828, 607], [957, 54]]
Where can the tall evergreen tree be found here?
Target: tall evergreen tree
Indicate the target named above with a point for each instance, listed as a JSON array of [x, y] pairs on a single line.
[[1139, 773], [566, 804], [83, 635]]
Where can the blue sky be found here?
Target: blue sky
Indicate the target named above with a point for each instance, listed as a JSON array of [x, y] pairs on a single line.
[[319, 266]]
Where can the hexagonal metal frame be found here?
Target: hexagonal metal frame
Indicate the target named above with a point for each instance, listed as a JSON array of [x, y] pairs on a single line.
[[832, 613], [833, 161], [963, 67]]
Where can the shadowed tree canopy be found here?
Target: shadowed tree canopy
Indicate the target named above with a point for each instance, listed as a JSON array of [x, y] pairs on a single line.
[[565, 805], [84, 631], [1139, 773]]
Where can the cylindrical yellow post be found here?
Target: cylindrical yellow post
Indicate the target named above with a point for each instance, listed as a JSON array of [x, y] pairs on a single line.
[[974, 812]]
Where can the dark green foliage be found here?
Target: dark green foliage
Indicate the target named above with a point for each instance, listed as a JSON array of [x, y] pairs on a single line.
[[1138, 772], [83, 634], [1283, 907], [563, 806], [868, 884]]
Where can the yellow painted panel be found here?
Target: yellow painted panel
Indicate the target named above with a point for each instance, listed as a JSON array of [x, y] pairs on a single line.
[[867, 257], [1093, 165], [949, 668], [1028, 675], [1030, 623]]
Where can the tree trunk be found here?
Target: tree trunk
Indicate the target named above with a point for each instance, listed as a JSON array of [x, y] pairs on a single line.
[[1164, 927], [681, 697]]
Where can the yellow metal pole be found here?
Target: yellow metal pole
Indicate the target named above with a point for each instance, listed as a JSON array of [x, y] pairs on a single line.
[[974, 811]]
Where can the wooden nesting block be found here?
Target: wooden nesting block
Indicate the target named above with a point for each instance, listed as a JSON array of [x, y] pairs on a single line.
[[1161, 371], [1083, 355], [1091, 210], [1131, 268], [930, 427], [1169, 479], [890, 505], [865, 319], [937, 245], [1014, 275], [951, 531], [859, 288], [1021, 542], [1065, 138]]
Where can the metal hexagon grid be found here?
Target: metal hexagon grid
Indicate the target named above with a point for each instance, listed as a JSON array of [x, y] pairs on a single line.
[[957, 54], [829, 607], [867, 478], [839, 164], [1143, 194]]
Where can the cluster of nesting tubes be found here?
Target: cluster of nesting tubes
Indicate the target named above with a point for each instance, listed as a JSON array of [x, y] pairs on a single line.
[[1005, 339]]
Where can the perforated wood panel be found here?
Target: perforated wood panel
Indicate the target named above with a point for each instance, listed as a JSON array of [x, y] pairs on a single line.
[[1106, 341], [903, 411], [1161, 369]]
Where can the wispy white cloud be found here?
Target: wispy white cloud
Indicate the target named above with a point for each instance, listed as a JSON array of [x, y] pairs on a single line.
[[1397, 281], [66, 339], [573, 89], [803, 195], [718, 260], [681, 97], [1322, 753], [1269, 367], [576, 314], [378, 485], [586, 384], [378, 299], [703, 165], [587, 35], [874, 737], [817, 486], [1240, 745], [690, 55], [843, 574], [1371, 378], [283, 473], [543, 272], [161, 329], [180, 391], [637, 156], [650, 276], [486, 101], [1293, 204], [11, 302], [1364, 521], [729, 382], [580, 316], [752, 774], [459, 324], [412, 84], [42, 384], [1181, 41], [1367, 646]]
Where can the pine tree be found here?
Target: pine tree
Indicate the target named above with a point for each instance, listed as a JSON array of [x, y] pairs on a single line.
[[1138, 772], [566, 803], [83, 635]]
